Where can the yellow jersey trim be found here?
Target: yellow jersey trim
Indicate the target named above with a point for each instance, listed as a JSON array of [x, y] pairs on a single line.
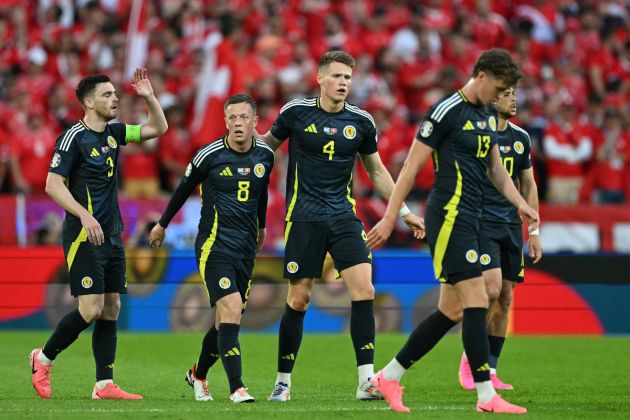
[[81, 237], [294, 198], [447, 227]]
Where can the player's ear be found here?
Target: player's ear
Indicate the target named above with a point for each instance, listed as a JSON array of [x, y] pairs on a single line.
[[255, 120]]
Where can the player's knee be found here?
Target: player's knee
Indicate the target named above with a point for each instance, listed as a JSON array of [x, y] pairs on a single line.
[[299, 301], [505, 301], [454, 313], [91, 313], [366, 292], [111, 310], [493, 294]]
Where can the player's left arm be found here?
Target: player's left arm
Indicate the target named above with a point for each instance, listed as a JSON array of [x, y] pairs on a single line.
[[384, 185], [529, 191], [504, 184], [262, 211], [156, 124], [262, 218]]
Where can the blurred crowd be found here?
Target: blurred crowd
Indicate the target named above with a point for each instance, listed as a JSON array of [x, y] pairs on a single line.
[[573, 98]]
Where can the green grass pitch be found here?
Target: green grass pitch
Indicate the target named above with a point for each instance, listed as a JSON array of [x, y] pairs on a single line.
[[554, 377]]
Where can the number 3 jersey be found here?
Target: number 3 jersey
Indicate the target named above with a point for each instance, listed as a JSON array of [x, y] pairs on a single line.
[[88, 160], [234, 188], [515, 147], [461, 135], [322, 153]]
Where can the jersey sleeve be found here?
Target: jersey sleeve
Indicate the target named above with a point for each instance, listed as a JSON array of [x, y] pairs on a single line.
[[119, 130], [65, 156], [264, 195], [434, 128], [192, 177], [527, 161], [281, 128], [368, 145]]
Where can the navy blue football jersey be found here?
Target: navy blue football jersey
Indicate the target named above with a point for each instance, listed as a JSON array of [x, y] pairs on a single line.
[[515, 147], [322, 151], [234, 189], [461, 135], [88, 160]]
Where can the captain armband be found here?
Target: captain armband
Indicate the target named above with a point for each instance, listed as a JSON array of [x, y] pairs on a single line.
[[132, 133]]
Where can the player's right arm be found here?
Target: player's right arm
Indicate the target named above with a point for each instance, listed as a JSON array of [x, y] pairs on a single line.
[[417, 156], [503, 183], [187, 185], [281, 128], [529, 190], [271, 141], [57, 190]]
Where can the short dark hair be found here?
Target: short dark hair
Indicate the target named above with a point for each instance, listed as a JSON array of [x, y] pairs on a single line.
[[239, 99], [87, 85], [336, 57], [498, 63]]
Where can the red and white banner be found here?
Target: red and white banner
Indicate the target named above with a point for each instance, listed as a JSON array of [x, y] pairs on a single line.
[[219, 79], [137, 44]]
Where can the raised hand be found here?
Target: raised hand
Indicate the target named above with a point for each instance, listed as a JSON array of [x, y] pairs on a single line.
[[141, 84]]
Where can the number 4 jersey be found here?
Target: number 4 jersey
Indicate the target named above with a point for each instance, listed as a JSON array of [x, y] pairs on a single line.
[[88, 161], [461, 135], [322, 152]]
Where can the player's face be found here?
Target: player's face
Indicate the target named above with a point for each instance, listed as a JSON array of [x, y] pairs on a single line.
[[335, 80], [489, 88], [105, 101], [506, 103], [240, 122]]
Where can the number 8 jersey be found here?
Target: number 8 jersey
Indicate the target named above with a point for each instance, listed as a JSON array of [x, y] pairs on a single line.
[[234, 192], [461, 135], [322, 153]]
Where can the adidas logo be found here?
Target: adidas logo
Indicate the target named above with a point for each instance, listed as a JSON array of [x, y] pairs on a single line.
[[233, 352], [311, 129], [226, 171], [484, 368], [368, 346], [94, 152], [110, 366], [289, 357], [468, 126]]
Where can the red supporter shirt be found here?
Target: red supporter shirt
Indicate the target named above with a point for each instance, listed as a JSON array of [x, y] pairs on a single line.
[[34, 149], [571, 140], [611, 174]]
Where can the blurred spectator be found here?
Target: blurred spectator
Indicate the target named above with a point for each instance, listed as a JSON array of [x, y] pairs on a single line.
[[139, 161], [139, 238], [612, 160], [410, 53], [567, 147], [4, 160], [175, 150], [49, 232], [31, 149]]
